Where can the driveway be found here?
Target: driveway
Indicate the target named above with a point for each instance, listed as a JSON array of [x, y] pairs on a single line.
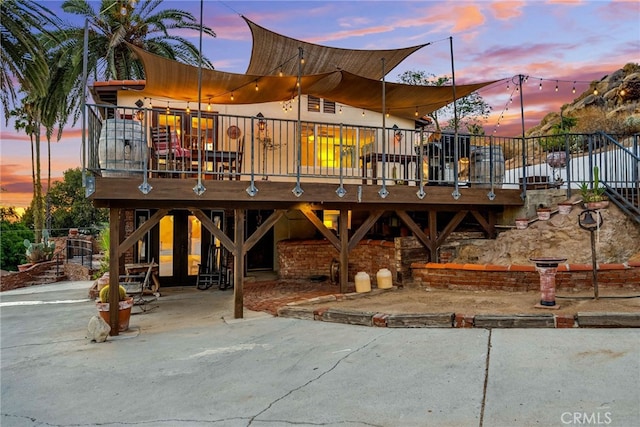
[[188, 363]]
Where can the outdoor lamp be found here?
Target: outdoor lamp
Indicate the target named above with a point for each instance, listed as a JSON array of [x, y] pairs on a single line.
[[262, 124]]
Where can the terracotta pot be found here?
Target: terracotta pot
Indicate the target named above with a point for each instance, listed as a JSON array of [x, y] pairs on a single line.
[[602, 204], [522, 223], [565, 208], [544, 214], [25, 267], [124, 312]]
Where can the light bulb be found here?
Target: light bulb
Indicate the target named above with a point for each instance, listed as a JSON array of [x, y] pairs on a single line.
[[188, 109], [232, 96], [257, 89]]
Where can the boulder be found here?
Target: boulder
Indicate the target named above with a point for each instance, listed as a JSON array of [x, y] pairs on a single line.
[[98, 330]]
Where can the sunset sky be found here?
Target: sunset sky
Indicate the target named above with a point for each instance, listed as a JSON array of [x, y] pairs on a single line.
[[562, 42]]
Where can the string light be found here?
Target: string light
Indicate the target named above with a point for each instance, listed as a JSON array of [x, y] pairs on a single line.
[[209, 105], [257, 89], [540, 84], [232, 96], [556, 85], [280, 72], [188, 109], [168, 107], [574, 87], [595, 91], [341, 109], [416, 112]]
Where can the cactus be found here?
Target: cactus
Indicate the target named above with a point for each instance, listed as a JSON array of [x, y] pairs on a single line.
[[104, 294]]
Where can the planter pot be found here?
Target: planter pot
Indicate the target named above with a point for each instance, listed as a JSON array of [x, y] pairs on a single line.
[[602, 204], [124, 312], [544, 214], [522, 223], [25, 267], [73, 232], [565, 208]]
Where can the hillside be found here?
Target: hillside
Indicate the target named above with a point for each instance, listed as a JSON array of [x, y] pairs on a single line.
[[611, 104]]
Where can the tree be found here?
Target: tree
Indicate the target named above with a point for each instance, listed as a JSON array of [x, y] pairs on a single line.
[[14, 232], [141, 25], [70, 207], [472, 110], [21, 53]]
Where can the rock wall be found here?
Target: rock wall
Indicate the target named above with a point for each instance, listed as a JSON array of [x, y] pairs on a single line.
[[617, 241]]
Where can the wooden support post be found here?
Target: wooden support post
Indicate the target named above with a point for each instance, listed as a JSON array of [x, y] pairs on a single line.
[[433, 235], [344, 250], [238, 265], [114, 270]]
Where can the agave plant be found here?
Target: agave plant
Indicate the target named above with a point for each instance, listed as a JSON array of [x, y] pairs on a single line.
[[594, 192]]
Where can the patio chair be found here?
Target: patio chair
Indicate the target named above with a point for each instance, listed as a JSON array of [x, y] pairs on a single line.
[[234, 168], [168, 152], [136, 285], [215, 271]]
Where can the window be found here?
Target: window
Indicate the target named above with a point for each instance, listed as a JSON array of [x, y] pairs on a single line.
[[321, 145], [329, 107], [313, 104]]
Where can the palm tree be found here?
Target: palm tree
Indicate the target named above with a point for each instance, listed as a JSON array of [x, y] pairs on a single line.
[[21, 53], [138, 23]]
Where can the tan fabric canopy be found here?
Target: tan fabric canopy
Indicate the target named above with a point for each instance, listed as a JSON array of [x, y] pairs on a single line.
[[273, 53], [171, 79], [167, 78], [402, 100]]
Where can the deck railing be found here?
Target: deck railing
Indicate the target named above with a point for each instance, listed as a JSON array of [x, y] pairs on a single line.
[[161, 142]]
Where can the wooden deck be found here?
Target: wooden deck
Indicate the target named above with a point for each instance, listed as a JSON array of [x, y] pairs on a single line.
[[231, 194]]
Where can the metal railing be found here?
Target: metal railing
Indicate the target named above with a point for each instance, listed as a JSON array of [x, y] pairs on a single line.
[[127, 141], [79, 250]]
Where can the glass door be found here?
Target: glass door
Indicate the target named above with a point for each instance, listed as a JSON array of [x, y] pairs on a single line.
[[180, 249]]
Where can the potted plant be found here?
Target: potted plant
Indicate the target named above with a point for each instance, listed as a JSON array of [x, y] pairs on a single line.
[[594, 195], [39, 252], [124, 307]]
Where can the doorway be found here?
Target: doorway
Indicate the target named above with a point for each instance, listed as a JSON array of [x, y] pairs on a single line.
[[260, 256], [180, 248]]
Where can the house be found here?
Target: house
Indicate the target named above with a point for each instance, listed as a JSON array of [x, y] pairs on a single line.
[[206, 167]]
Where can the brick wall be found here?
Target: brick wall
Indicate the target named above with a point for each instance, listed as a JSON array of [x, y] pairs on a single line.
[[300, 259], [522, 277]]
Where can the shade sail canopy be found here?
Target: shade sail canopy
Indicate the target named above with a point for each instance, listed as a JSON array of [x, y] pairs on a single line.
[[174, 80], [351, 77], [401, 100], [273, 53]]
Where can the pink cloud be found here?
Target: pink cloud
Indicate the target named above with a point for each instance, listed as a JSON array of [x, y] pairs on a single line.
[[505, 10]]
